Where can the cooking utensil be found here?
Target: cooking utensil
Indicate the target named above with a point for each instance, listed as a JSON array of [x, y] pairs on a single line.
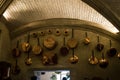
[[16, 51], [103, 63], [45, 60], [112, 51], [42, 33], [37, 50], [16, 68], [49, 42], [26, 45], [99, 46], [64, 50], [86, 40], [74, 58], [118, 55], [54, 59], [57, 33], [34, 35], [50, 58], [93, 59], [49, 31], [28, 60], [72, 43], [66, 32]]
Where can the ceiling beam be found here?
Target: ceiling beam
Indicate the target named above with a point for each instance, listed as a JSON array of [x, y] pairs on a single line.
[[3, 5], [105, 10]]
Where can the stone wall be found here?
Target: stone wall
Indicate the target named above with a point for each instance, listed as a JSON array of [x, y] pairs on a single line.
[[80, 71]]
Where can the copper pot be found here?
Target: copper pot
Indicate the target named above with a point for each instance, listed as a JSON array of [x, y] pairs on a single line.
[[99, 46], [49, 43], [28, 60], [118, 55], [16, 68], [26, 47], [64, 50], [93, 59], [72, 43], [37, 49], [16, 51], [103, 63], [57, 33], [86, 40], [50, 58], [74, 58], [112, 51]]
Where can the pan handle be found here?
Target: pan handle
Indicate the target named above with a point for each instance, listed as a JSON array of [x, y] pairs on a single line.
[[93, 55], [73, 52], [28, 37], [72, 33], [64, 41], [110, 43], [38, 41], [103, 56], [98, 39], [86, 35]]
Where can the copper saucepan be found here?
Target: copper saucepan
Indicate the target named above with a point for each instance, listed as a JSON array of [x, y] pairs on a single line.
[[16, 51], [103, 63], [93, 59], [72, 43], [37, 49], [16, 69], [26, 45], [57, 33], [28, 60], [118, 55], [99, 46], [74, 58], [112, 51], [50, 58], [64, 50], [86, 40], [49, 42]]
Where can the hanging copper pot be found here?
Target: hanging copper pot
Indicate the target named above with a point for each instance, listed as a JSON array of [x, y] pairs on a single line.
[[37, 49], [118, 55], [112, 51], [49, 43], [28, 60], [16, 51], [72, 43], [64, 50], [16, 68], [50, 58], [58, 32], [86, 40], [49, 31], [26, 47], [74, 58], [93, 59], [103, 63], [66, 32], [45, 60], [34, 35], [99, 46]]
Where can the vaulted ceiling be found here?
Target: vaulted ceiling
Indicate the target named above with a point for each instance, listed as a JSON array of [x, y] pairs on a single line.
[[22, 12]]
